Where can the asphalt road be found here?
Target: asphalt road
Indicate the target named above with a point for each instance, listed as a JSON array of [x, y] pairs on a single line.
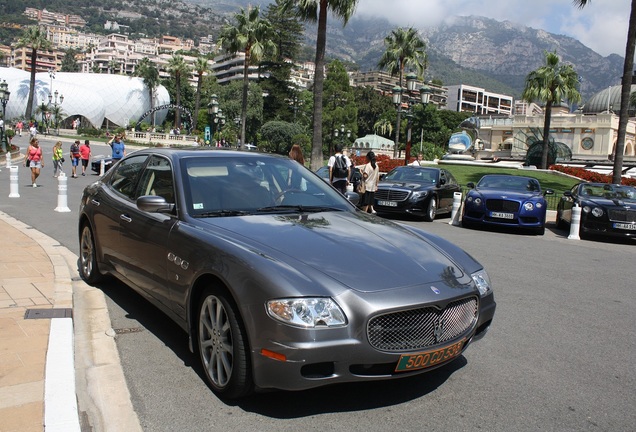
[[558, 357]]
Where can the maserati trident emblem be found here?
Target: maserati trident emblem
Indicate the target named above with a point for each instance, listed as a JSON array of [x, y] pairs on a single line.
[[438, 330], [435, 290]]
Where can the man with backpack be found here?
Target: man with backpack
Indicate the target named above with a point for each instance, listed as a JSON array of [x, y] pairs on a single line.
[[339, 170]]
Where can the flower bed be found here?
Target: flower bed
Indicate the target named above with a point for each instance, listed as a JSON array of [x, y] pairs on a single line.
[[590, 176]]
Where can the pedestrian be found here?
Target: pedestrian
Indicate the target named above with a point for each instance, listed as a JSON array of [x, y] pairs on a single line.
[[33, 159], [85, 155], [118, 146], [58, 158], [19, 126], [339, 166], [33, 131], [417, 162], [370, 175], [75, 157], [295, 181]]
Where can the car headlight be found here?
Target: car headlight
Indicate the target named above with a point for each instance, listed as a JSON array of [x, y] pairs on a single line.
[[539, 205], [419, 194], [483, 282], [596, 211], [308, 312], [474, 200], [528, 206]]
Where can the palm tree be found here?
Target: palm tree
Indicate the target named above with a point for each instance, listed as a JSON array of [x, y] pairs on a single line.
[[147, 71], [35, 38], [201, 67], [316, 11], [626, 86], [178, 68], [551, 83], [404, 48], [383, 126], [251, 35]]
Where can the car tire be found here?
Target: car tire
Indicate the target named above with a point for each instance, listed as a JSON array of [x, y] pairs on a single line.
[[431, 210], [560, 223], [222, 346], [88, 267], [540, 231]]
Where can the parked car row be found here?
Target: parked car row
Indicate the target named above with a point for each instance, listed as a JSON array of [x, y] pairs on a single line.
[[503, 200]]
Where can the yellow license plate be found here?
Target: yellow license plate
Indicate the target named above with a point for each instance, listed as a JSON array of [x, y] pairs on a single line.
[[409, 362]]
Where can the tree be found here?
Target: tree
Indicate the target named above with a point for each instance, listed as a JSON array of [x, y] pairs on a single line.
[[551, 83], [35, 38], [403, 48], [177, 68], [113, 65], [69, 62], [201, 67], [372, 108], [626, 86], [384, 126], [287, 35], [251, 35], [148, 72], [340, 102], [316, 11]]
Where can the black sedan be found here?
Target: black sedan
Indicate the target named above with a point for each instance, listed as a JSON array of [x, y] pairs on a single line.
[[501, 200], [96, 163], [252, 270], [419, 191], [606, 209]]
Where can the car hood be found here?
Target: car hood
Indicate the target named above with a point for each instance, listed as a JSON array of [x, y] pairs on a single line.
[[405, 185], [508, 194], [363, 252]]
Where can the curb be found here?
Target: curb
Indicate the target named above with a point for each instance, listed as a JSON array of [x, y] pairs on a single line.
[[88, 387]]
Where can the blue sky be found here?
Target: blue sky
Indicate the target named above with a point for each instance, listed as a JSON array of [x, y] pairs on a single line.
[[601, 25]]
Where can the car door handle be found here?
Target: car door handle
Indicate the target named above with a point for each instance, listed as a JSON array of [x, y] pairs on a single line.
[[95, 202], [125, 218]]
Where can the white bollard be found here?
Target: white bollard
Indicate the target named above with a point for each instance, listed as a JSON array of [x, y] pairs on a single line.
[[102, 167], [575, 223], [457, 203], [13, 178], [62, 197], [8, 158]]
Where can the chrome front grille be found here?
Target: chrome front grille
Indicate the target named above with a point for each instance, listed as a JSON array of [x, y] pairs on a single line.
[[502, 205], [421, 328], [391, 194], [622, 215]]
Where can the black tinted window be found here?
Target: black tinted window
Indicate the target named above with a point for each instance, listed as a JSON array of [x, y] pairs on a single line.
[[126, 175]]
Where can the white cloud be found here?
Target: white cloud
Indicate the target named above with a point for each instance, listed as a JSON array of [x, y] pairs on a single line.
[[601, 25]]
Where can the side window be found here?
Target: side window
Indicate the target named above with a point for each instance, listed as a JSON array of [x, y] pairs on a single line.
[[450, 179], [126, 175], [157, 179]]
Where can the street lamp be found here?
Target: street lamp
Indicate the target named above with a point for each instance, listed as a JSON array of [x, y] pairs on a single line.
[[56, 108], [213, 109], [425, 94], [4, 98], [341, 132]]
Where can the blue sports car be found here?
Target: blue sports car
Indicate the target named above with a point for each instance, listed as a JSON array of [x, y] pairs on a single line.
[[506, 201]]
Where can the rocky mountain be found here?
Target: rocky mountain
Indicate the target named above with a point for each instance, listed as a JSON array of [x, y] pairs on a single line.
[[471, 50]]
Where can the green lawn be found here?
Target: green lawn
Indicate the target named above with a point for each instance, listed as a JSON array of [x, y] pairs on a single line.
[[548, 180]]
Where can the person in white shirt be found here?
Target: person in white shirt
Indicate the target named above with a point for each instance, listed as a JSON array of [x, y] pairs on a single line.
[[417, 161], [339, 180]]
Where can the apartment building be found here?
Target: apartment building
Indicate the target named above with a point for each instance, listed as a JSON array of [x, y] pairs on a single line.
[[465, 98], [45, 17]]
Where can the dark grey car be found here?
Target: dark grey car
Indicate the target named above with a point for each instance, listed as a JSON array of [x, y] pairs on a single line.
[[245, 252]]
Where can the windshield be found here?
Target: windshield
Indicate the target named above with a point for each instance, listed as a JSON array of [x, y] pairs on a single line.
[[514, 183], [608, 191], [260, 184], [412, 174]]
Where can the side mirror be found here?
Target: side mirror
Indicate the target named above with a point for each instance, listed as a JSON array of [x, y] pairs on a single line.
[[470, 185], [567, 194], [154, 204], [548, 192]]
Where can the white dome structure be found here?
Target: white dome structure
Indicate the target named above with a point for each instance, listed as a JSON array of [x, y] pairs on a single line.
[[94, 97]]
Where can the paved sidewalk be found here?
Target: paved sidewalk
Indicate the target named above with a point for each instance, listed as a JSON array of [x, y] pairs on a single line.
[[31, 282], [49, 366]]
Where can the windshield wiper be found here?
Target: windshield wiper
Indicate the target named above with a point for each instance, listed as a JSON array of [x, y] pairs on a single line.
[[297, 208], [222, 213]]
